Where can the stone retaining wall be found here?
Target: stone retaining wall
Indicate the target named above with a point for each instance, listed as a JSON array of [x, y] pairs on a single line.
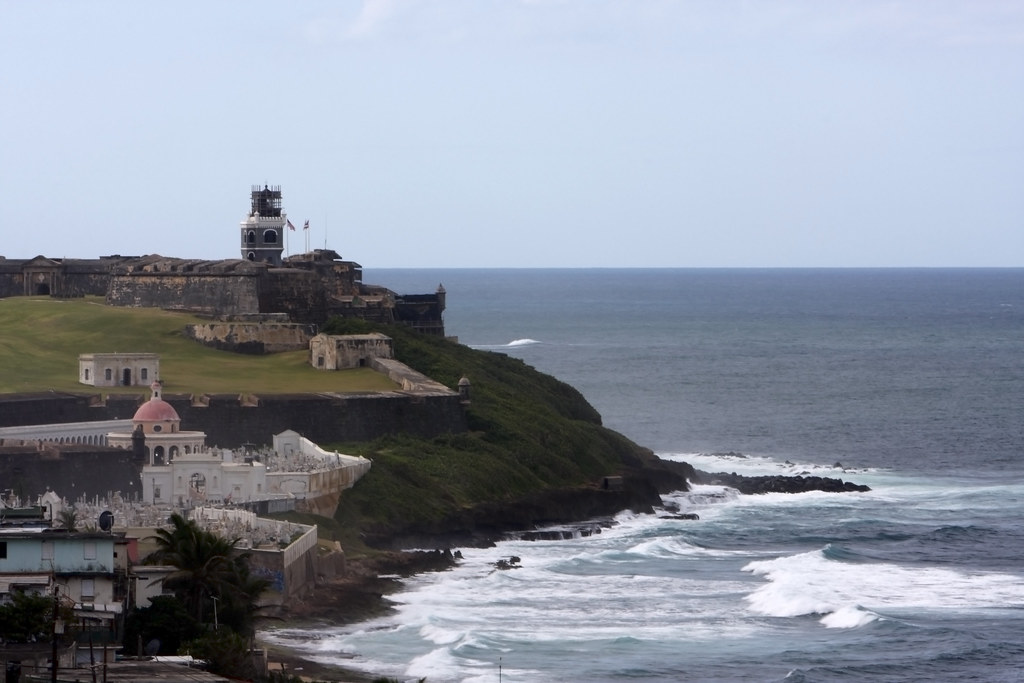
[[231, 421], [252, 337]]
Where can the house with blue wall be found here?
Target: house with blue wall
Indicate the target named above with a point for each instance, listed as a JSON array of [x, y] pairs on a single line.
[[80, 565]]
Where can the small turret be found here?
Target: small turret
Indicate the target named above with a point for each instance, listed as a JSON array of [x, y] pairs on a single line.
[[263, 227], [441, 295]]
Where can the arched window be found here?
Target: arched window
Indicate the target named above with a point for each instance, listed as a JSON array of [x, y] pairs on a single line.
[[250, 237], [173, 452], [270, 237], [251, 256]]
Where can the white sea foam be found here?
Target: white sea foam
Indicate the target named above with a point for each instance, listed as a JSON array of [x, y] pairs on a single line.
[[650, 581], [523, 342], [512, 344], [852, 594], [760, 465], [848, 617]]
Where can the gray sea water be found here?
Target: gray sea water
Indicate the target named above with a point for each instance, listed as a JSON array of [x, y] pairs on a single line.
[[910, 381]]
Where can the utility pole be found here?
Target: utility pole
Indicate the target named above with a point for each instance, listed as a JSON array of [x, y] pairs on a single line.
[[56, 611]]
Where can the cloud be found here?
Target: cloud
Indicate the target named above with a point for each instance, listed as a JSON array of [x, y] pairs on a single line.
[[373, 15]]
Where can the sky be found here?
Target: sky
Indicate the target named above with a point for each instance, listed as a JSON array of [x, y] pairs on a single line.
[[520, 133]]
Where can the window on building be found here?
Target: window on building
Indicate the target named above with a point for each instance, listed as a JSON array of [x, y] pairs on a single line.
[[250, 237], [89, 550], [88, 588], [270, 236], [3, 550], [144, 374], [87, 373], [319, 361], [156, 493], [108, 374], [47, 552]]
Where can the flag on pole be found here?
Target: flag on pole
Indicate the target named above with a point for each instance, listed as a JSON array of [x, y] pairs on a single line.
[[290, 226], [306, 226]]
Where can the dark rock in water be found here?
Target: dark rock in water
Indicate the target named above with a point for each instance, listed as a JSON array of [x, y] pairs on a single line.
[[510, 563], [584, 530], [779, 483], [546, 535], [683, 515]]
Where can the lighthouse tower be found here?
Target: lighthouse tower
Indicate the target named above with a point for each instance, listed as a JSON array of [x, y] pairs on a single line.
[[263, 227]]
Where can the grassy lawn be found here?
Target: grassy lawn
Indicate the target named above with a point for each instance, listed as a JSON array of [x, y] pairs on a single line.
[[41, 339]]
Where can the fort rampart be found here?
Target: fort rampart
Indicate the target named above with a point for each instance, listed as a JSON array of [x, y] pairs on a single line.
[[72, 470], [252, 337], [230, 420], [211, 293]]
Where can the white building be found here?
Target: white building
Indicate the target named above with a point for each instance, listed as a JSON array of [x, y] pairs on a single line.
[[157, 422], [180, 471], [118, 369]]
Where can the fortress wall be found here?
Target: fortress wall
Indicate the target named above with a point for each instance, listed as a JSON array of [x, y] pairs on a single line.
[[322, 418], [213, 293], [257, 338], [406, 377], [83, 278], [12, 280], [296, 292], [46, 408], [71, 471]]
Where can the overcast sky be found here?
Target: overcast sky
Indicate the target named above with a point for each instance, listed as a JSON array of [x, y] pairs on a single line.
[[522, 133]]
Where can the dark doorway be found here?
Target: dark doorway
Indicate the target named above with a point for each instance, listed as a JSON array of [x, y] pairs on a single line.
[[126, 377]]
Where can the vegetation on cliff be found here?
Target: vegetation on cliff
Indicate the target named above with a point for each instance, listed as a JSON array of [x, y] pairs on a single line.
[[535, 452]]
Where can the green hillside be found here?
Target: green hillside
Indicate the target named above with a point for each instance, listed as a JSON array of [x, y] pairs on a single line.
[[528, 433], [42, 337]]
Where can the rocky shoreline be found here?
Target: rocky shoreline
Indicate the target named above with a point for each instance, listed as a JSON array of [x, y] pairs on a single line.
[[357, 595], [360, 593]]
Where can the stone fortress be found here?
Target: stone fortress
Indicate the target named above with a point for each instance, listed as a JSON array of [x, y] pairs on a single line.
[[124, 453], [264, 285], [263, 302]]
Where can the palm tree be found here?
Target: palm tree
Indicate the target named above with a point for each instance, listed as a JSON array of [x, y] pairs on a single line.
[[239, 602], [205, 566], [68, 519]]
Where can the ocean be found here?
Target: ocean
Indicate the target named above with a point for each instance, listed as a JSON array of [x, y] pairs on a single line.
[[909, 381]]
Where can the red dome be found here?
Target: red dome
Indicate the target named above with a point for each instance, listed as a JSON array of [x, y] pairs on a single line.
[[156, 410]]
